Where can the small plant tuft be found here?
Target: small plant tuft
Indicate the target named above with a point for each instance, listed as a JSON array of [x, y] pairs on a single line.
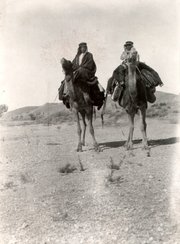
[[81, 165], [110, 176], [114, 179], [25, 178], [113, 165], [9, 185], [68, 168]]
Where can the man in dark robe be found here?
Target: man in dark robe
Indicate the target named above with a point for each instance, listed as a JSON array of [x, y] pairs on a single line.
[[84, 69], [83, 65]]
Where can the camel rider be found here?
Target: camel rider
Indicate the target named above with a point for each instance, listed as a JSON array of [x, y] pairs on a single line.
[[84, 69], [83, 64], [128, 51], [119, 72], [149, 76]]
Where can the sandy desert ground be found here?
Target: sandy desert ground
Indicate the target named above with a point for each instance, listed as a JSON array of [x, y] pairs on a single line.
[[41, 205]]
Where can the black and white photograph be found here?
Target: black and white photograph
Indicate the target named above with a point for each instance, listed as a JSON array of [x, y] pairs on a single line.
[[89, 122]]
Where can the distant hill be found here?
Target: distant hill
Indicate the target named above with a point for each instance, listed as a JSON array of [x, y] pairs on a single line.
[[166, 106], [18, 112], [49, 112], [167, 97], [48, 108]]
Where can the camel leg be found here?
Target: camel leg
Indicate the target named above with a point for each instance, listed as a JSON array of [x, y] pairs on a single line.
[[91, 129], [143, 127], [84, 128], [79, 148], [129, 143]]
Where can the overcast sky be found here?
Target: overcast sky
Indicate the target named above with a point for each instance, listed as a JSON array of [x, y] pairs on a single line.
[[36, 34]]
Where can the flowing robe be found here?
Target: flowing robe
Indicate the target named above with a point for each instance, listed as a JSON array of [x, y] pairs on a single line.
[[86, 70]]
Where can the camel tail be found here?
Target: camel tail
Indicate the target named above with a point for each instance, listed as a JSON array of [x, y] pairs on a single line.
[[94, 113], [103, 110], [102, 120]]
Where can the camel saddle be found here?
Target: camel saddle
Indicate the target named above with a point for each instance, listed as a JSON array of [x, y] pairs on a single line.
[[92, 87]]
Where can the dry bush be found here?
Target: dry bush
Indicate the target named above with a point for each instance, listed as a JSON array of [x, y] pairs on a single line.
[[68, 168], [25, 178], [9, 185], [176, 111], [113, 167], [157, 111], [32, 116], [112, 178], [81, 165], [162, 104]]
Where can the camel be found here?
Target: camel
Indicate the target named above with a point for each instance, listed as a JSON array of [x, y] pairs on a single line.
[[80, 104], [133, 100]]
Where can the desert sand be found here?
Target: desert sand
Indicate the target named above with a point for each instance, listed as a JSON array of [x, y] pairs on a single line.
[[41, 205]]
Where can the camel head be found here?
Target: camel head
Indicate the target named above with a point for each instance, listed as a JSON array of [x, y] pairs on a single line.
[[67, 66], [133, 58]]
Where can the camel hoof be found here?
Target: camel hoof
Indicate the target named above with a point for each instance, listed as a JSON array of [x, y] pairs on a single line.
[[79, 148], [129, 146], [83, 143], [97, 148], [145, 147], [125, 144]]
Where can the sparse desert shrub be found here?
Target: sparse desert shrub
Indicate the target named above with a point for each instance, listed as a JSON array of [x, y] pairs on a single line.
[[154, 105], [9, 185], [152, 113], [162, 104], [174, 121], [81, 165], [112, 178], [32, 116], [157, 112], [163, 112], [58, 117], [3, 109], [112, 165], [175, 111], [25, 178], [159, 105], [122, 160], [68, 168]]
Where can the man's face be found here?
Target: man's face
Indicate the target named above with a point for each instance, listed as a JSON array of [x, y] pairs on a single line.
[[83, 49], [128, 47]]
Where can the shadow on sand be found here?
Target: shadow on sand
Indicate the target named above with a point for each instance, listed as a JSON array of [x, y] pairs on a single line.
[[152, 143]]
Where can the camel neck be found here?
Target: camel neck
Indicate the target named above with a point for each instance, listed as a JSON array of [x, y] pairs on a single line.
[[68, 73], [132, 81]]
